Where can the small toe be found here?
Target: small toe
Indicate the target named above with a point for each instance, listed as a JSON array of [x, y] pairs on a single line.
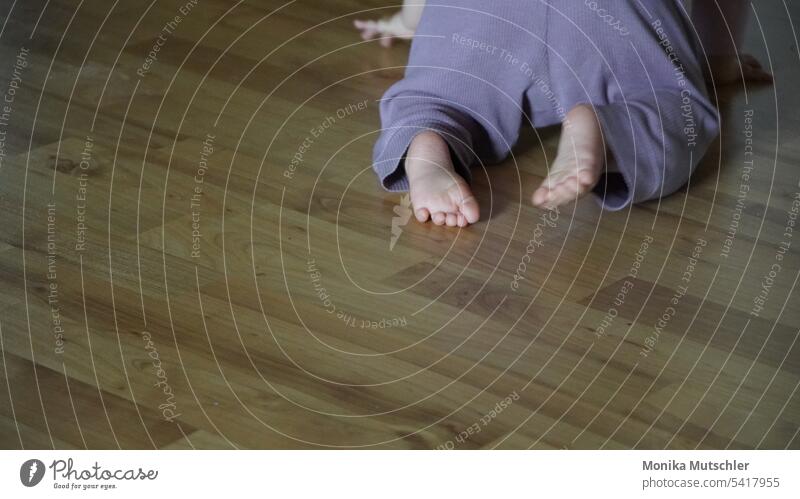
[[540, 195], [462, 220], [470, 210], [438, 218], [451, 219], [422, 214]]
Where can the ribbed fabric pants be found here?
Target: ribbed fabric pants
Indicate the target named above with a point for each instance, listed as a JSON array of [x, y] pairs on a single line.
[[478, 70]]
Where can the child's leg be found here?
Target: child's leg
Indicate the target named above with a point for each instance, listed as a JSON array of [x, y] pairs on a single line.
[[636, 64], [458, 85]]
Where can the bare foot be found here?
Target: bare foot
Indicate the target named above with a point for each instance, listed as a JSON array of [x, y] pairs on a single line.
[[578, 163], [438, 193]]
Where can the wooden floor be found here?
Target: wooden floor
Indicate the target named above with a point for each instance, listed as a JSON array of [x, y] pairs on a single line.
[[171, 279]]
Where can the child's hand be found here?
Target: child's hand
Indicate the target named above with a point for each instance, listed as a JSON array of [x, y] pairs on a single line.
[[726, 69], [385, 29]]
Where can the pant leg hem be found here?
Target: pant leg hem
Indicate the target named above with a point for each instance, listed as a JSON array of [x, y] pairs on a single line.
[[620, 185], [389, 162]]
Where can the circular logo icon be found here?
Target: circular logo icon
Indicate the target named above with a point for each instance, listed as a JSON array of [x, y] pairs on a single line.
[[31, 472]]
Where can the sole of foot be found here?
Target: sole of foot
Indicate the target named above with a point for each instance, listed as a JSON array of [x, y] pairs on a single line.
[[579, 160]]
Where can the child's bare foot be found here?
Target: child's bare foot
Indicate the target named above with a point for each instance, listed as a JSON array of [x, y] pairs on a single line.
[[437, 192], [579, 160]]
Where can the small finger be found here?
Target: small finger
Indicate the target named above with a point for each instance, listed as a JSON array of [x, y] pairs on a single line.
[[367, 34], [361, 24], [368, 28]]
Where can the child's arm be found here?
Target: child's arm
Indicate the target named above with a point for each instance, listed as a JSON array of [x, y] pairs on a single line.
[[722, 24], [401, 25]]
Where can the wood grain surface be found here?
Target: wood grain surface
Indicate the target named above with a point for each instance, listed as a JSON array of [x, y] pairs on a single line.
[[195, 254]]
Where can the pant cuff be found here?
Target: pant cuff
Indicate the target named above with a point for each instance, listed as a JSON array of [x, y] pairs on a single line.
[[390, 153]]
